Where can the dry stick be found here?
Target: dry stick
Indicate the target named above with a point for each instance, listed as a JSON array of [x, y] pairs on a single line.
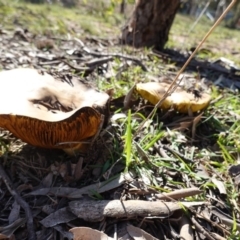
[[185, 65], [94, 211], [176, 153], [177, 194], [226, 221], [218, 237], [214, 224], [201, 229], [21, 202]]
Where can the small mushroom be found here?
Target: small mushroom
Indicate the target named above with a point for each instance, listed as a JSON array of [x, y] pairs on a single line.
[[47, 112], [181, 100]]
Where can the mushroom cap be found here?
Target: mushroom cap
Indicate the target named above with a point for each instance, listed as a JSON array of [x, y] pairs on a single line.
[[181, 100], [45, 112]]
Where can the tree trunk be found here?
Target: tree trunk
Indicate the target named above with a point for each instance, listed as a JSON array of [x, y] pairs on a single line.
[[221, 6], [194, 7], [150, 23], [122, 6], [234, 22]]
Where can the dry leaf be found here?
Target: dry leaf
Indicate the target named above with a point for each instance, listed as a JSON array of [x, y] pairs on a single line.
[[181, 100], [78, 171], [138, 234], [47, 180], [56, 191], [186, 230], [77, 193], [115, 117], [196, 120], [10, 229], [47, 112], [128, 98], [219, 185], [3, 236], [101, 186], [15, 212], [60, 216], [85, 233]]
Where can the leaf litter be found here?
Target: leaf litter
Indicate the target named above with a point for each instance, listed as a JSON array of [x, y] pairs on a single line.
[[163, 198]]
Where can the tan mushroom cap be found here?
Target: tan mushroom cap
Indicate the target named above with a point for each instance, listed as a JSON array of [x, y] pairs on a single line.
[[21, 111], [181, 100]]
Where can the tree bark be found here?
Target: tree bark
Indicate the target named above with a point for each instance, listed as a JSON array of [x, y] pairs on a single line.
[[122, 6], [150, 23], [234, 22], [194, 7], [221, 6], [94, 211]]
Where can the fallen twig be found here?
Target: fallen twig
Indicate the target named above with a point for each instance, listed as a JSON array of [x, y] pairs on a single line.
[[177, 194], [202, 230], [224, 219], [98, 62], [91, 65], [94, 211], [195, 63], [21, 202], [161, 151], [117, 55], [218, 237], [160, 147], [82, 69], [114, 55]]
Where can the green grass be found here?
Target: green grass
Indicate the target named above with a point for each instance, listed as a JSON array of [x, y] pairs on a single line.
[[128, 141], [54, 19]]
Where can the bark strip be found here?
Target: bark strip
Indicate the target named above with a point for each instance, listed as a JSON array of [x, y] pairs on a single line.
[[94, 211]]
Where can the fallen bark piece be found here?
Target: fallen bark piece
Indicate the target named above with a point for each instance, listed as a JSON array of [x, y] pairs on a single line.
[[94, 211]]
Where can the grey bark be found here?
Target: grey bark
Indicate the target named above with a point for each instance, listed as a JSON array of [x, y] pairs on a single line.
[[150, 23], [94, 211]]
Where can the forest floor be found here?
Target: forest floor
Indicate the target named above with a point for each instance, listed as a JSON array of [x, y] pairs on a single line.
[[172, 176]]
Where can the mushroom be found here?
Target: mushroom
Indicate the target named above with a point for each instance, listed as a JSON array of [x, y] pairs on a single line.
[[47, 112], [181, 100]]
